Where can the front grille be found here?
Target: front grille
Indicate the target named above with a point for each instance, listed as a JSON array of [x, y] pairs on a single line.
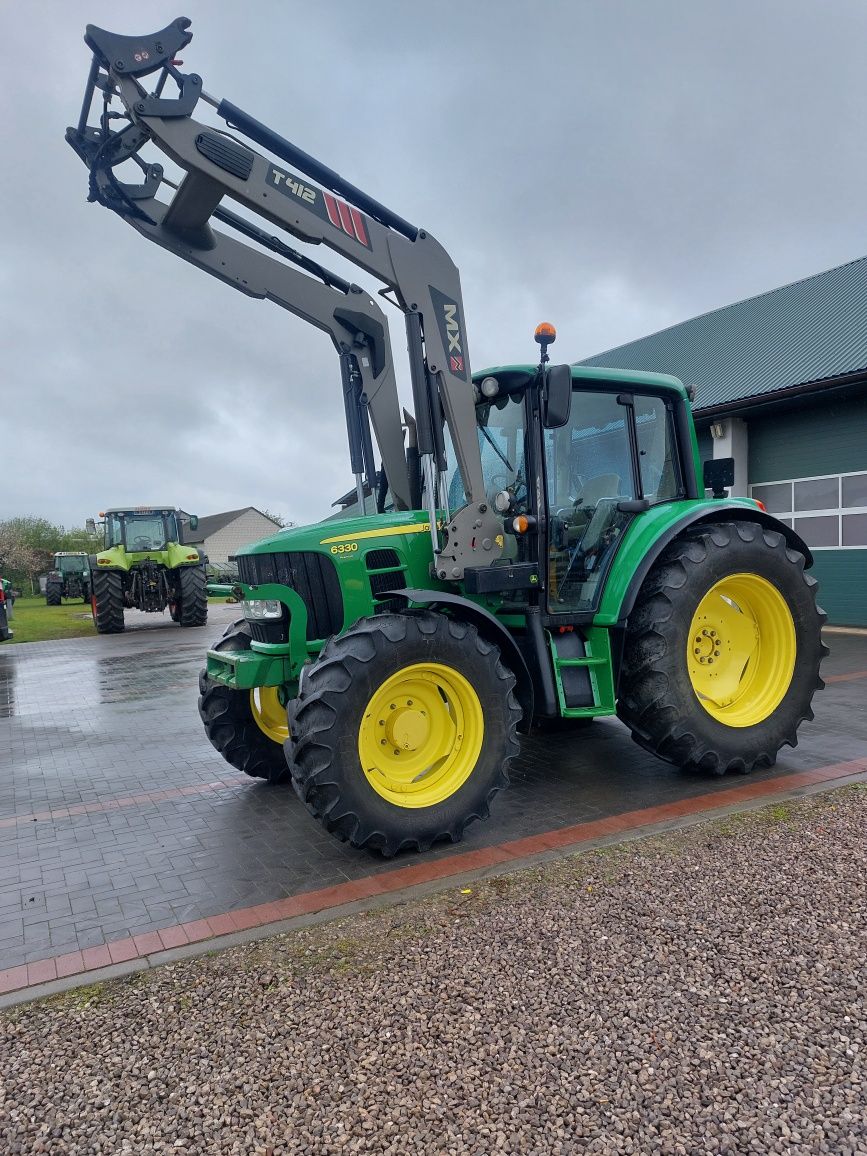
[[382, 560], [312, 576], [391, 579]]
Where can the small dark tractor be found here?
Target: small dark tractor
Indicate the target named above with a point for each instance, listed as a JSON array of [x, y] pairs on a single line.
[[70, 578]]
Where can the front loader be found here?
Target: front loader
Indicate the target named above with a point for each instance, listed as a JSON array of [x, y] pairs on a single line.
[[548, 551], [146, 566]]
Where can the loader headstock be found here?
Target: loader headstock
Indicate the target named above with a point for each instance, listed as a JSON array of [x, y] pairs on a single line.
[[117, 65]]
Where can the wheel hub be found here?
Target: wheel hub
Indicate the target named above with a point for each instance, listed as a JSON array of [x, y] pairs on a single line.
[[406, 728], [267, 705], [421, 735], [741, 650]]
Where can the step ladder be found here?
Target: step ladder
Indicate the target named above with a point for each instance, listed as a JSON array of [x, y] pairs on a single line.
[[589, 650]]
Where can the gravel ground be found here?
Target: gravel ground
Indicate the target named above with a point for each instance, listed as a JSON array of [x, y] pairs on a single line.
[[702, 992]]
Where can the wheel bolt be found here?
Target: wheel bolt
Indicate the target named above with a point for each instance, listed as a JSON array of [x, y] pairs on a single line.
[[697, 651], [409, 702], [382, 722], [383, 742], [397, 752], [716, 654], [393, 706]]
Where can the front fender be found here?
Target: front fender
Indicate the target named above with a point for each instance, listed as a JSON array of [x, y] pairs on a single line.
[[491, 629]]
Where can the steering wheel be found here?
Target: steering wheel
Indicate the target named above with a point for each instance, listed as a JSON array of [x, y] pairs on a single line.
[[142, 542], [512, 486]]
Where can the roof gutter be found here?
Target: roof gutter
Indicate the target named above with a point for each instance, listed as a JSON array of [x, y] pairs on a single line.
[[792, 391]]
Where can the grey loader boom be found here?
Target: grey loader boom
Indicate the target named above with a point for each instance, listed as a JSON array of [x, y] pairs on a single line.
[[319, 208]]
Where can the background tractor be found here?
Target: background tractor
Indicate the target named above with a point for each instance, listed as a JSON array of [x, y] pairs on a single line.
[[70, 578], [145, 566], [542, 546]]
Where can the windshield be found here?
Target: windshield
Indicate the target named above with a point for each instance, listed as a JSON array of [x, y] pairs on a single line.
[[141, 531], [70, 565], [501, 444]]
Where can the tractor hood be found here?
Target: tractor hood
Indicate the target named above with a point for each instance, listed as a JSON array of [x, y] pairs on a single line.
[[327, 536]]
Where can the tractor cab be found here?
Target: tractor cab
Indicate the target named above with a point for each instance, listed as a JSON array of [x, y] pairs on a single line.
[[621, 446]]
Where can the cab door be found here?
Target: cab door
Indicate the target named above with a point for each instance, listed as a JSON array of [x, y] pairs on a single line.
[[615, 457]]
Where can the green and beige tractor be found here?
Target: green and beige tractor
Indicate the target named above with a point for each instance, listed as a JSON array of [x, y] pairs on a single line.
[[70, 578], [542, 546], [146, 566]]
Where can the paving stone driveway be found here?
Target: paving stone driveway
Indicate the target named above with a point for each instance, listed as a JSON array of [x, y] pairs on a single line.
[[117, 817]]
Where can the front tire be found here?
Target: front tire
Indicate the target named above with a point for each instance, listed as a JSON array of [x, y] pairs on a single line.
[[403, 731], [192, 606], [722, 652], [248, 728], [106, 601]]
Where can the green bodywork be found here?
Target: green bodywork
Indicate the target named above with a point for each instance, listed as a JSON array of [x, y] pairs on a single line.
[[348, 542]]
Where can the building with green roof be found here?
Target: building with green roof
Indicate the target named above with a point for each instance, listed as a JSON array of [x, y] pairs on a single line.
[[781, 386]]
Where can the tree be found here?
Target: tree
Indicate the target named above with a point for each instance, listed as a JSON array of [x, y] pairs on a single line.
[[28, 544], [282, 522]]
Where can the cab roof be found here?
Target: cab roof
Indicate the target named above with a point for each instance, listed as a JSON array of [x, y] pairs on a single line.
[[142, 510], [518, 375]]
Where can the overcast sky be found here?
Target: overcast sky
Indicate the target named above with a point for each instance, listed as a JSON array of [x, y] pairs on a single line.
[[613, 166]]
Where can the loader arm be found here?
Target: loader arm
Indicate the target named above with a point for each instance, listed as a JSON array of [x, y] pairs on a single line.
[[408, 261]]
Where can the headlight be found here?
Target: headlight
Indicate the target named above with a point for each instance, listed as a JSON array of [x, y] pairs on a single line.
[[258, 608]]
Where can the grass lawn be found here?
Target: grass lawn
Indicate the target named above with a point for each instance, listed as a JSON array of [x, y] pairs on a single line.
[[33, 621]]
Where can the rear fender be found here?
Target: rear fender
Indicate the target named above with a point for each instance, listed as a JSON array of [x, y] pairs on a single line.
[[719, 512]]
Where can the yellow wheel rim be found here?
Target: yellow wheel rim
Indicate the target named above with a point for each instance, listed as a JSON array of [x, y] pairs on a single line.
[[421, 735], [741, 650], [269, 713]]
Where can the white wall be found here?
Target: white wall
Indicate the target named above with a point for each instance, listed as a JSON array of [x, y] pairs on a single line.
[[246, 528], [731, 440]]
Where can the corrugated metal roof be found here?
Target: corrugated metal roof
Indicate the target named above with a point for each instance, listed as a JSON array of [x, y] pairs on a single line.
[[805, 332]]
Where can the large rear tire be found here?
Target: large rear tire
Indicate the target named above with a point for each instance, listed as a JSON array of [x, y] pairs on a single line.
[[192, 608], [403, 731], [248, 728], [106, 601], [53, 594], [722, 652]]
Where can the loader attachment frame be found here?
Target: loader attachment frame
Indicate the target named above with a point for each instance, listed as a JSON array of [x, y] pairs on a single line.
[[411, 264]]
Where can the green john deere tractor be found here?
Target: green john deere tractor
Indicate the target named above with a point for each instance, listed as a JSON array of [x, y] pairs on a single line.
[[537, 543], [70, 578], [146, 566]]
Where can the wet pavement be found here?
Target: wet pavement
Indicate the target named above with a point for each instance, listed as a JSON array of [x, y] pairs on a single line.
[[118, 818]]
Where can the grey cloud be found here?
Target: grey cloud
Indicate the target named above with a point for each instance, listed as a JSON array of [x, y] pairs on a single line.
[[612, 166]]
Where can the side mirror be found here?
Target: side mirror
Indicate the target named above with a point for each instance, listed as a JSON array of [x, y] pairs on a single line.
[[718, 474], [90, 526], [557, 398], [194, 522]]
